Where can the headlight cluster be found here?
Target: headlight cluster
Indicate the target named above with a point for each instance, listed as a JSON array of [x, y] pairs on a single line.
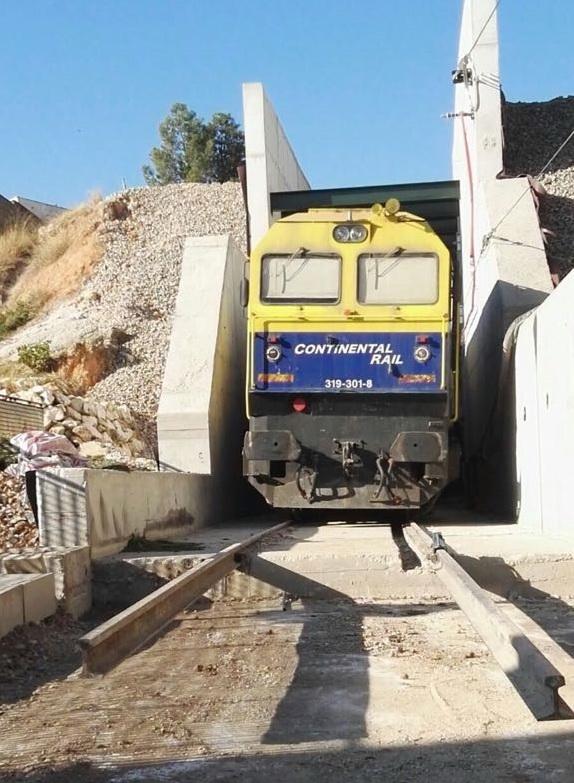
[[352, 232], [422, 353], [273, 353]]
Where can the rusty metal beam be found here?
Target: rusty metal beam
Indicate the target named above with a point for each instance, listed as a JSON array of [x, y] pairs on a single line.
[[109, 643], [530, 672]]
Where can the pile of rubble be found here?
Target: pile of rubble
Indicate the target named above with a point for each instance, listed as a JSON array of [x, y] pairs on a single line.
[[132, 290], [97, 429], [17, 528], [533, 132]]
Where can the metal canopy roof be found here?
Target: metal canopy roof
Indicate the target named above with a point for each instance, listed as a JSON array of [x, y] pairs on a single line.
[[436, 202]]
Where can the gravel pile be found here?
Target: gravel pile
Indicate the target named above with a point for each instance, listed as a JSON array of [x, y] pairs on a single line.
[[135, 285], [16, 528], [532, 134]]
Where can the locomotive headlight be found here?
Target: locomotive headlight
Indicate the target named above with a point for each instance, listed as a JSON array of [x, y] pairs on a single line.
[[354, 232], [273, 353], [341, 233], [357, 233], [422, 353]]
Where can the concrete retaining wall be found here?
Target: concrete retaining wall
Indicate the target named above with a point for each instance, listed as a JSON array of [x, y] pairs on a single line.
[[103, 509], [201, 412], [544, 414], [503, 263], [270, 160]]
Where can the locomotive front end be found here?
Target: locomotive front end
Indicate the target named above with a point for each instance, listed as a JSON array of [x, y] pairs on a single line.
[[351, 372]]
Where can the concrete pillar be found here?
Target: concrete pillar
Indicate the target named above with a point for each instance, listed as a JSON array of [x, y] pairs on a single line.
[[504, 267], [271, 162]]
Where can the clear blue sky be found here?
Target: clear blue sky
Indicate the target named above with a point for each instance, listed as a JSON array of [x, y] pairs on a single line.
[[359, 87]]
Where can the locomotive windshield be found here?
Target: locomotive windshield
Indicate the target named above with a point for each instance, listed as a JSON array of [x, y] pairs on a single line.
[[408, 278], [301, 278]]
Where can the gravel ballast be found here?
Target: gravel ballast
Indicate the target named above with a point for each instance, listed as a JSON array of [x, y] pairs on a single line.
[[135, 285], [532, 134]]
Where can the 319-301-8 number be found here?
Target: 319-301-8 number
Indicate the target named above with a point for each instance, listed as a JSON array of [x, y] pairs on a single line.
[[348, 383]]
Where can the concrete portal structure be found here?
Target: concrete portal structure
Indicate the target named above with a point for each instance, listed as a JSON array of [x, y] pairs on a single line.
[[270, 160], [504, 264]]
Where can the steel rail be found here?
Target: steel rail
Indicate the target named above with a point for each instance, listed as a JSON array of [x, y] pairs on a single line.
[[530, 672], [112, 641]]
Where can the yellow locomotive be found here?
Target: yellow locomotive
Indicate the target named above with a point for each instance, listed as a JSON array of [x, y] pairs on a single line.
[[352, 361]]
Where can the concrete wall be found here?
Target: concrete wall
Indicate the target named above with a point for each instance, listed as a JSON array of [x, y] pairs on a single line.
[[271, 162], [25, 598], [201, 422], [201, 414], [103, 509], [503, 260], [69, 567], [544, 414]]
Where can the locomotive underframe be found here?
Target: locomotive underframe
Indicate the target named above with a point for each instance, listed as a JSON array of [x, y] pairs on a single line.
[[394, 453]]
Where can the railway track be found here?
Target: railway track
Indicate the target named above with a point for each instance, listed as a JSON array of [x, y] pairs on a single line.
[[301, 681], [534, 677]]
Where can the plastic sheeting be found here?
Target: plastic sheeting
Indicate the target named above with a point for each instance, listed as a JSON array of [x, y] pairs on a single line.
[[38, 449]]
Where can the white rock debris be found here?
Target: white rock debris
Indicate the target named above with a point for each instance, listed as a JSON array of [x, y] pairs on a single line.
[[135, 285], [97, 429]]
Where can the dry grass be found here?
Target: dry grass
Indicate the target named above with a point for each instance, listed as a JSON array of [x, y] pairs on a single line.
[[13, 373], [67, 250], [16, 245]]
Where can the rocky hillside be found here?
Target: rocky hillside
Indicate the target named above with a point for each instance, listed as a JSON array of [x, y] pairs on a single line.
[[532, 134], [107, 339]]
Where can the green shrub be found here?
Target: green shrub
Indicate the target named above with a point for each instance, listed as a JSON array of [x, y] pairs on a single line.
[[37, 356], [13, 317]]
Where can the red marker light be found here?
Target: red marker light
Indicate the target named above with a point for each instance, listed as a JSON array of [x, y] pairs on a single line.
[[299, 405], [422, 339], [272, 338]]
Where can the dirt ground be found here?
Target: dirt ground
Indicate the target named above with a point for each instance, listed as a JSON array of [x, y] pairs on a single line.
[[293, 691]]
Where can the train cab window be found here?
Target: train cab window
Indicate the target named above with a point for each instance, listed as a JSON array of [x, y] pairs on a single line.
[[408, 278], [301, 278]]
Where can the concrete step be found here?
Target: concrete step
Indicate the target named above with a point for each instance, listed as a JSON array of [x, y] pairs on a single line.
[[25, 598], [70, 567]]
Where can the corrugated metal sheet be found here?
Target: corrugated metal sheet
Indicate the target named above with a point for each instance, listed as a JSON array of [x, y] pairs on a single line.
[[19, 416]]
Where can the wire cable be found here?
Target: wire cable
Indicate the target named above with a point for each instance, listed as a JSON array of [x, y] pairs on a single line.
[[484, 26], [527, 190], [546, 250]]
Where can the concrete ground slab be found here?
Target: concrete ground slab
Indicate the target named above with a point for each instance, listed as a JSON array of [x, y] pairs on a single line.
[[320, 691], [365, 559]]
